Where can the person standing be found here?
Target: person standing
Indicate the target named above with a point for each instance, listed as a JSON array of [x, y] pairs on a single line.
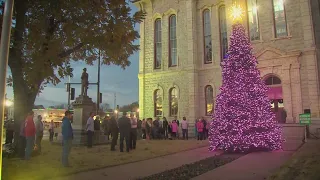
[[22, 140], [196, 129], [174, 129], [204, 132], [200, 128], [133, 132], [184, 127], [30, 133], [114, 130], [143, 127], [97, 126], [67, 136], [178, 123], [148, 128], [124, 128], [90, 130], [39, 133], [51, 131], [165, 127], [105, 126], [139, 134]]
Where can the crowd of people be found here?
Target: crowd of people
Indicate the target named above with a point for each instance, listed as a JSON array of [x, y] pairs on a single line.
[[127, 126]]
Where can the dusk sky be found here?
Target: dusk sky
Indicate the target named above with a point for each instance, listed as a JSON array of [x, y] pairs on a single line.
[[113, 80]]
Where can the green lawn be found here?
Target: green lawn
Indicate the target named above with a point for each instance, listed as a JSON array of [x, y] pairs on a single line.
[[48, 164], [304, 165]]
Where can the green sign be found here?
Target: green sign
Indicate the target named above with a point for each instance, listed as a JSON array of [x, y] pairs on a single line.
[[305, 118]]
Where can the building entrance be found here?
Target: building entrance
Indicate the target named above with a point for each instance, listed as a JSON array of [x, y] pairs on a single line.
[[276, 98]]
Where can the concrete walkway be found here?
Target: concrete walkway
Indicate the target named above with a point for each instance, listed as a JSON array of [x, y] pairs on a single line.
[[144, 168], [254, 166]]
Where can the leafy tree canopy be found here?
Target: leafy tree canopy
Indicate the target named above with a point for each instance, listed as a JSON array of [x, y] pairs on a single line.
[[133, 107], [47, 35]]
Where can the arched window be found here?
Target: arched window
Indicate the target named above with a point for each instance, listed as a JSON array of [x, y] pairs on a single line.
[[157, 44], [209, 99], [280, 22], [272, 80], [207, 37], [253, 20], [157, 103], [173, 102], [173, 41], [223, 32]]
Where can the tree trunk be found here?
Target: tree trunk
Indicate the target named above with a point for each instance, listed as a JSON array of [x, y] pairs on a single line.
[[23, 100]]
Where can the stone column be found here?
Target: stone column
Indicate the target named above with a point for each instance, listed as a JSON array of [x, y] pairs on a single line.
[[192, 60], [296, 84], [286, 92]]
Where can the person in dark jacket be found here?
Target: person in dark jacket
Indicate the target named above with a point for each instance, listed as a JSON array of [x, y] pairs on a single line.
[[105, 126], [124, 128], [205, 134], [165, 127], [67, 136], [113, 128]]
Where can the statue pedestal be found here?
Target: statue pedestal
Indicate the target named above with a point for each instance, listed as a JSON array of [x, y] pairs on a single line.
[[82, 106]]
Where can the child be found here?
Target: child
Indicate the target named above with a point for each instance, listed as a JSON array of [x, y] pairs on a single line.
[[200, 128], [174, 129]]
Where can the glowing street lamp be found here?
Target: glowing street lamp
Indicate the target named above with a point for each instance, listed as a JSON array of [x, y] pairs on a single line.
[[8, 103], [116, 111]]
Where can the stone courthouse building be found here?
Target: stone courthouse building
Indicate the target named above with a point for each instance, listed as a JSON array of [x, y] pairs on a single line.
[[183, 42]]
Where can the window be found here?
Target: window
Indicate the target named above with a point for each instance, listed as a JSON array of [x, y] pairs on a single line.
[[207, 37], [173, 101], [157, 103], [172, 41], [223, 32], [272, 80], [157, 44], [209, 99], [280, 22], [253, 20]]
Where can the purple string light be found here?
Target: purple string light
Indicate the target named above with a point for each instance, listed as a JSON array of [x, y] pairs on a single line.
[[243, 120]]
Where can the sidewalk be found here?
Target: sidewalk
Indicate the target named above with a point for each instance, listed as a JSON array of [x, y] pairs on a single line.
[[144, 168], [254, 166]]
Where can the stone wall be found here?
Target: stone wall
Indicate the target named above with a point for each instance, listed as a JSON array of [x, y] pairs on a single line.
[[293, 58]]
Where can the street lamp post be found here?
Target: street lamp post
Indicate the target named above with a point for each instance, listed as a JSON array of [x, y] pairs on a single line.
[[98, 84], [4, 55]]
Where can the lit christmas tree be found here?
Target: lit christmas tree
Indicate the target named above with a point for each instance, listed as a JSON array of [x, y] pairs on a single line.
[[242, 120]]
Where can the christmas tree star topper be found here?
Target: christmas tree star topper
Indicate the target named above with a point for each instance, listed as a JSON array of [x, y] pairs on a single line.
[[236, 13]]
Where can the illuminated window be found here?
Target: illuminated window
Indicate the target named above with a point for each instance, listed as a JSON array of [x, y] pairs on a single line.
[[157, 103], [272, 80], [207, 37], [173, 41], [223, 32], [173, 101], [209, 99], [157, 44], [253, 20], [280, 22]]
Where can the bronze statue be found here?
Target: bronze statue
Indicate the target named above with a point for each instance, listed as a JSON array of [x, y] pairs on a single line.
[[84, 82]]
